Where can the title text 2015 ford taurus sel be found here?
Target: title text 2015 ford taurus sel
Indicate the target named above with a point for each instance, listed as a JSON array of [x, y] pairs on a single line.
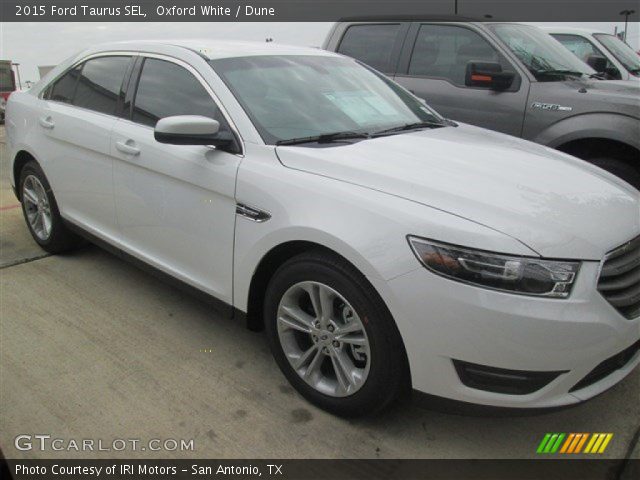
[[382, 247]]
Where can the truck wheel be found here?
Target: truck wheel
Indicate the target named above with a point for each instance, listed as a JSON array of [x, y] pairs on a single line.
[[620, 169], [333, 337], [41, 211]]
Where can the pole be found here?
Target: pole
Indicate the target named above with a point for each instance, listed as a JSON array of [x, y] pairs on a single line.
[[626, 19], [626, 14]]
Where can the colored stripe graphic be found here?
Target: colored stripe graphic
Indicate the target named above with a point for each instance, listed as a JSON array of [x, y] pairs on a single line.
[[574, 443], [605, 442], [583, 439], [598, 443], [567, 443], [543, 443], [594, 437], [551, 443], [555, 447]]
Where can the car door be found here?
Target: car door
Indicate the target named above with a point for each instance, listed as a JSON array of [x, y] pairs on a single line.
[[79, 111], [175, 203], [433, 67]]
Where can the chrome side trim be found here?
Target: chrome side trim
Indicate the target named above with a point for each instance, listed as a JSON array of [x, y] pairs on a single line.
[[252, 213]]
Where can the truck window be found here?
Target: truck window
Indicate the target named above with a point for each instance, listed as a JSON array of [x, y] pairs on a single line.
[[7, 79], [371, 44], [583, 49], [443, 51]]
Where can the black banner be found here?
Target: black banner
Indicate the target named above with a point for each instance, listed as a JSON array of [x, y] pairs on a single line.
[[313, 10], [325, 469]]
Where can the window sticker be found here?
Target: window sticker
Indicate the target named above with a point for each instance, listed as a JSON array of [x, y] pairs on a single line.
[[361, 106]]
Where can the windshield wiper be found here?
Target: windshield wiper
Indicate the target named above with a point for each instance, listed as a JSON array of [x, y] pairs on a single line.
[[409, 126], [324, 138], [559, 72]]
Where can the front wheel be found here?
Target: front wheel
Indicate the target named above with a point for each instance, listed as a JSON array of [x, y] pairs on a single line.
[[332, 336]]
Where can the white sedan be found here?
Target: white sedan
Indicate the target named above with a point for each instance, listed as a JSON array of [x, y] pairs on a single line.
[[381, 246]]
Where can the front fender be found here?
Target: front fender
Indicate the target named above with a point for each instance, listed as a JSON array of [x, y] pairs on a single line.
[[366, 227], [622, 128]]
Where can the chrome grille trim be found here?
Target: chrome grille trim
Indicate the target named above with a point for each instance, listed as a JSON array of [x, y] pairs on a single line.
[[619, 281]]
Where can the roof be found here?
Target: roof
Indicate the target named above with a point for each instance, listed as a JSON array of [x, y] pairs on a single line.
[[410, 18], [213, 49], [574, 30]]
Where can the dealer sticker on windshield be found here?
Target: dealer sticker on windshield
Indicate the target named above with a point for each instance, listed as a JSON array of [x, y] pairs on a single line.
[[362, 107]]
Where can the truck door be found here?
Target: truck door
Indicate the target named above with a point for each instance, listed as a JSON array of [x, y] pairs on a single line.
[[433, 66]]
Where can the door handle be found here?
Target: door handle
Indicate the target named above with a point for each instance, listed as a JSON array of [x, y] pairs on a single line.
[[46, 122], [128, 147]]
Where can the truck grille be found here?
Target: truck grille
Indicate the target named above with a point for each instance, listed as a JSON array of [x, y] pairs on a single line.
[[619, 279]]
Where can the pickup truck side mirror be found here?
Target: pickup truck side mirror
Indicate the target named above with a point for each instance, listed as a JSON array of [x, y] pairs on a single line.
[[489, 75], [598, 63], [191, 130]]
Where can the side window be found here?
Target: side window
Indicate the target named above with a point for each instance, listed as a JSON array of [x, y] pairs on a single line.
[[582, 48], [64, 88], [166, 89], [371, 44], [443, 51], [100, 82], [579, 46]]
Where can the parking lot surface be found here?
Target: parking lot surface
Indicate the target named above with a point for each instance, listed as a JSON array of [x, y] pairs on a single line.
[[91, 347]]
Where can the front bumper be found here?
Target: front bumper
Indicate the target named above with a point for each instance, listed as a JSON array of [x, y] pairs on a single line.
[[441, 320]]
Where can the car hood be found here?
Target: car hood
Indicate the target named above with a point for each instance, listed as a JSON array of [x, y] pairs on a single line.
[[557, 205]]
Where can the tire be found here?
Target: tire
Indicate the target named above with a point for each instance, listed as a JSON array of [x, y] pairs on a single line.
[[58, 238], [383, 375], [619, 168]]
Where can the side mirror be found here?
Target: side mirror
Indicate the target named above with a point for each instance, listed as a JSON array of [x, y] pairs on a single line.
[[598, 63], [613, 73], [191, 130], [489, 75]]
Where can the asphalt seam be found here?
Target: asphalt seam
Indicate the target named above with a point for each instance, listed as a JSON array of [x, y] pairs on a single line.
[[24, 260]]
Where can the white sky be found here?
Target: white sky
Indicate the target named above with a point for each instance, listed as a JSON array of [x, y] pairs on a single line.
[[33, 44]]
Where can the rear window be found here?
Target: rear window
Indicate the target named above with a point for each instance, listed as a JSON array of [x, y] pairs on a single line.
[[371, 44], [100, 83], [65, 87]]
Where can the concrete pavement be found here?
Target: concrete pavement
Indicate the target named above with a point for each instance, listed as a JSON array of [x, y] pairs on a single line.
[[93, 348]]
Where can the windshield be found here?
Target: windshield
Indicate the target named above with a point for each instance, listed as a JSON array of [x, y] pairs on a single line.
[[298, 96], [623, 52], [544, 56]]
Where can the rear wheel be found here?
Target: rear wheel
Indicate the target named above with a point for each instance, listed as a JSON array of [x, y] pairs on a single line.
[[41, 211], [332, 336]]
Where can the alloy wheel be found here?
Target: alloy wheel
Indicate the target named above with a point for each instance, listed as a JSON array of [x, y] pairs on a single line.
[[37, 207], [323, 338]]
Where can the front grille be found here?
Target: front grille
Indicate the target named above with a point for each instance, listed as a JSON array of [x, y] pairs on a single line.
[[619, 279], [607, 367], [501, 380]]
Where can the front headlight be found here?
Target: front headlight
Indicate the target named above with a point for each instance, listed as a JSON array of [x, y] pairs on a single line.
[[522, 275]]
